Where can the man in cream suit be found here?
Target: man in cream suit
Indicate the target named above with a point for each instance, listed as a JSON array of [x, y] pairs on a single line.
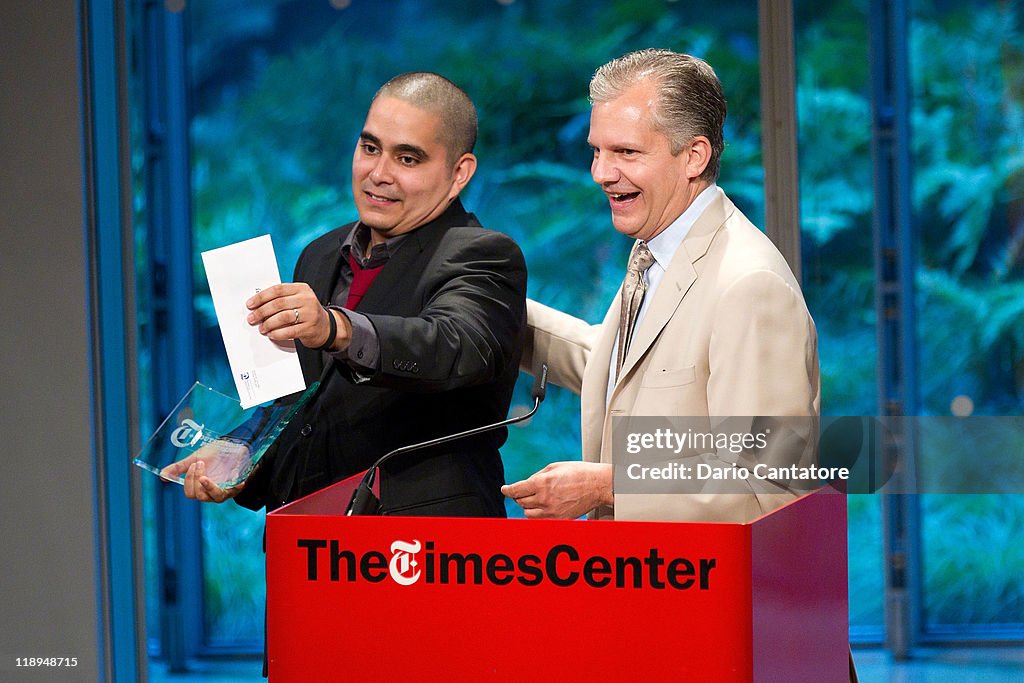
[[722, 328]]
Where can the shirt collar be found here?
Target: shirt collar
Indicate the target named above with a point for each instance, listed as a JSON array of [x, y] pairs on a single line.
[[454, 214], [357, 239], [665, 244]]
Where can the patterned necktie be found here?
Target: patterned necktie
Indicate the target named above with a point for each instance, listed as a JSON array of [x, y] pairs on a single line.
[[633, 289]]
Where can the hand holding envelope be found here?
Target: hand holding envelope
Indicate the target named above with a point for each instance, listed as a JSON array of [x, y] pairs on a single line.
[[209, 442], [291, 311], [263, 368]]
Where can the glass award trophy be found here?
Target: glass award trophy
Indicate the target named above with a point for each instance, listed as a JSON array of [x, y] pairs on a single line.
[[213, 427]]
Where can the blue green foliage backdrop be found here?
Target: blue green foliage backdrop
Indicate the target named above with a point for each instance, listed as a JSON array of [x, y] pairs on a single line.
[[279, 88]]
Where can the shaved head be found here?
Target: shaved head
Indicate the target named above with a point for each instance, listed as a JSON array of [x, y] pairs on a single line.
[[436, 94]]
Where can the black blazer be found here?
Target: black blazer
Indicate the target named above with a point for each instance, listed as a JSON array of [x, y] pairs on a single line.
[[449, 311]]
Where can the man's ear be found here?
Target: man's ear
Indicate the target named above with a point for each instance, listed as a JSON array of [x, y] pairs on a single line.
[[697, 154], [464, 169]]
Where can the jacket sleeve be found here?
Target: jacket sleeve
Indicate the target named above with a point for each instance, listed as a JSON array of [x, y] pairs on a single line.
[[559, 340]]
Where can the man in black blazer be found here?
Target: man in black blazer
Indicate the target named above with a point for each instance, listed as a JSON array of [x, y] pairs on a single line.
[[412, 318]]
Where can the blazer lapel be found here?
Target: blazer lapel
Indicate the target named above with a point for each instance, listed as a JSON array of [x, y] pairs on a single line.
[[321, 275], [402, 268], [679, 277], [379, 298], [326, 273]]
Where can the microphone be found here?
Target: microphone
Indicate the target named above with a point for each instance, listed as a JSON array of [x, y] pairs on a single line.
[[364, 502]]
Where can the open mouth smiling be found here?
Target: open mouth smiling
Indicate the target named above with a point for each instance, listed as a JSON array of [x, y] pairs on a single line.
[[376, 198], [622, 197]]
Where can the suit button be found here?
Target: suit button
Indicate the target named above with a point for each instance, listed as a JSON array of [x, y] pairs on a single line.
[[306, 430]]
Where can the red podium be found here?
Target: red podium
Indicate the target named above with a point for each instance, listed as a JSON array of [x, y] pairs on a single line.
[[390, 598]]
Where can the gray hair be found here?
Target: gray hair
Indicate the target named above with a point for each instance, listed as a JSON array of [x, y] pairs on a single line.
[[435, 93], [689, 102]]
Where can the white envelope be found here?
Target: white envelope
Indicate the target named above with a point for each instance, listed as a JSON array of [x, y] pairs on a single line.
[[263, 369]]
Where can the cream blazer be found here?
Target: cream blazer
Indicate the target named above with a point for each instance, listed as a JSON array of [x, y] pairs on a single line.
[[727, 334]]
